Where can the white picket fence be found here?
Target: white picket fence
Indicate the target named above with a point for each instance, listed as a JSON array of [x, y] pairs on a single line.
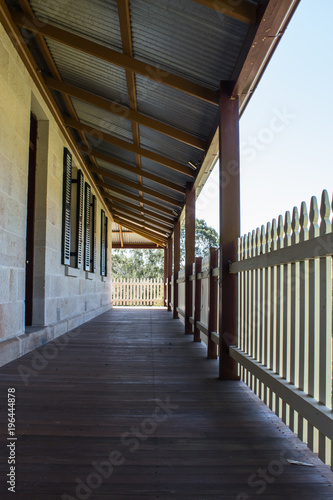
[[285, 320], [284, 347], [143, 292]]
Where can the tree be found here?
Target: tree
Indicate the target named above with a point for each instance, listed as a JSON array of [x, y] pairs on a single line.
[[137, 264], [149, 263]]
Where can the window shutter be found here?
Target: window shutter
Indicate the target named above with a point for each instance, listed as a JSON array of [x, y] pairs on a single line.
[[66, 209], [87, 223], [103, 240], [79, 238], [106, 246], [93, 259]]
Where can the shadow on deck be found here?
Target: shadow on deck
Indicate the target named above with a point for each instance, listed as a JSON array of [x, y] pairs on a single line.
[[129, 387]]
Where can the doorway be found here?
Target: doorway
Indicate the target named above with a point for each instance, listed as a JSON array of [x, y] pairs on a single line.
[[30, 221]]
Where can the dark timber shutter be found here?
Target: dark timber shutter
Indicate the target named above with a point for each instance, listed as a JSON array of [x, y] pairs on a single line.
[[103, 241], [66, 209], [106, 246], [87, 222], [93, 259], [80, 190]]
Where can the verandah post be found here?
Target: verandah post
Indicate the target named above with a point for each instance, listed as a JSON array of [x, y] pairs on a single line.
[[229, 191], [197, 300], [169, 259], [165, 286], [189, 252], [212, 311], [176, 266]]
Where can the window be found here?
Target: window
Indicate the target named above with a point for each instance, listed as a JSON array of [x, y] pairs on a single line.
[[104, 245], [72, 228], [90, 230]]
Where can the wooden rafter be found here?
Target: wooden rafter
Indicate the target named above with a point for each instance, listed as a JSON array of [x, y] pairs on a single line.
[[142, 232], [143, 218], [124, 112], [242, 11], [26, 8], [126, 39], [129, 168], [144, 211], [139, 199], [159, 235], [143, 189], [145, 223], [89, 47], [120, 143]]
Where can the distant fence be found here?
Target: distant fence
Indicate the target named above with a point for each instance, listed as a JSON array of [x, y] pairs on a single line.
[[144, 292]]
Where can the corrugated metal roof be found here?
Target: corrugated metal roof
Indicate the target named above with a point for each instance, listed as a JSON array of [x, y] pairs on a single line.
[[109, 149], [174, 107], [111, 123], [186, 38], [181, 37], [96, 20], [117, 170], [89, 73], [168, 147], [164, 172]]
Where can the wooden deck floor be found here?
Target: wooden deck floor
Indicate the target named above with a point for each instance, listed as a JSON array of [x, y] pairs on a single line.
[[130, 387]]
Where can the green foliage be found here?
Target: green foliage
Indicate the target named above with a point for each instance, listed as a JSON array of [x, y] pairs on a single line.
[[137, 264], [149, 263]]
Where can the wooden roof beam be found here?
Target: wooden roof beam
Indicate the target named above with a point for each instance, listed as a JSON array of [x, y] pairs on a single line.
[[143, 189], [145, 211], [112, 56], [129, 168], [139, 199], [242, 11], [128, 146], [144, 222], [143, 218], [124, 112], [142, 232]]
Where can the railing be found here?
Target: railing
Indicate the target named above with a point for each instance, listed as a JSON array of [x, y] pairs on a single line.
[[144, 292], [285, 320], [284, 346]]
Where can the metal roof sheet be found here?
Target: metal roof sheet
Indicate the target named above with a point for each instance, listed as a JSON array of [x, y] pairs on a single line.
[[96, 20], [168, 146], [174, 107], [109, 149], [99, 77], [186, 38], [102, 120]]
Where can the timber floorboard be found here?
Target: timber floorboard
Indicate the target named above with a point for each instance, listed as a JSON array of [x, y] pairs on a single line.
[[131, 387]]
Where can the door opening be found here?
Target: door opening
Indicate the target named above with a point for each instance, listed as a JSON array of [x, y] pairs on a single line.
[[30, 221]]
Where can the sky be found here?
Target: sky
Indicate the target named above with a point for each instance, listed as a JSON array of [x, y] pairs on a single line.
[[286, 130]]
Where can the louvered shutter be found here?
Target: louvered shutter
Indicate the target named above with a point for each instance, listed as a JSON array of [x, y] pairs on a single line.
[[87, 227], [103, 240], [93, 259], [106, 246], [66, 209], [79, 212]]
